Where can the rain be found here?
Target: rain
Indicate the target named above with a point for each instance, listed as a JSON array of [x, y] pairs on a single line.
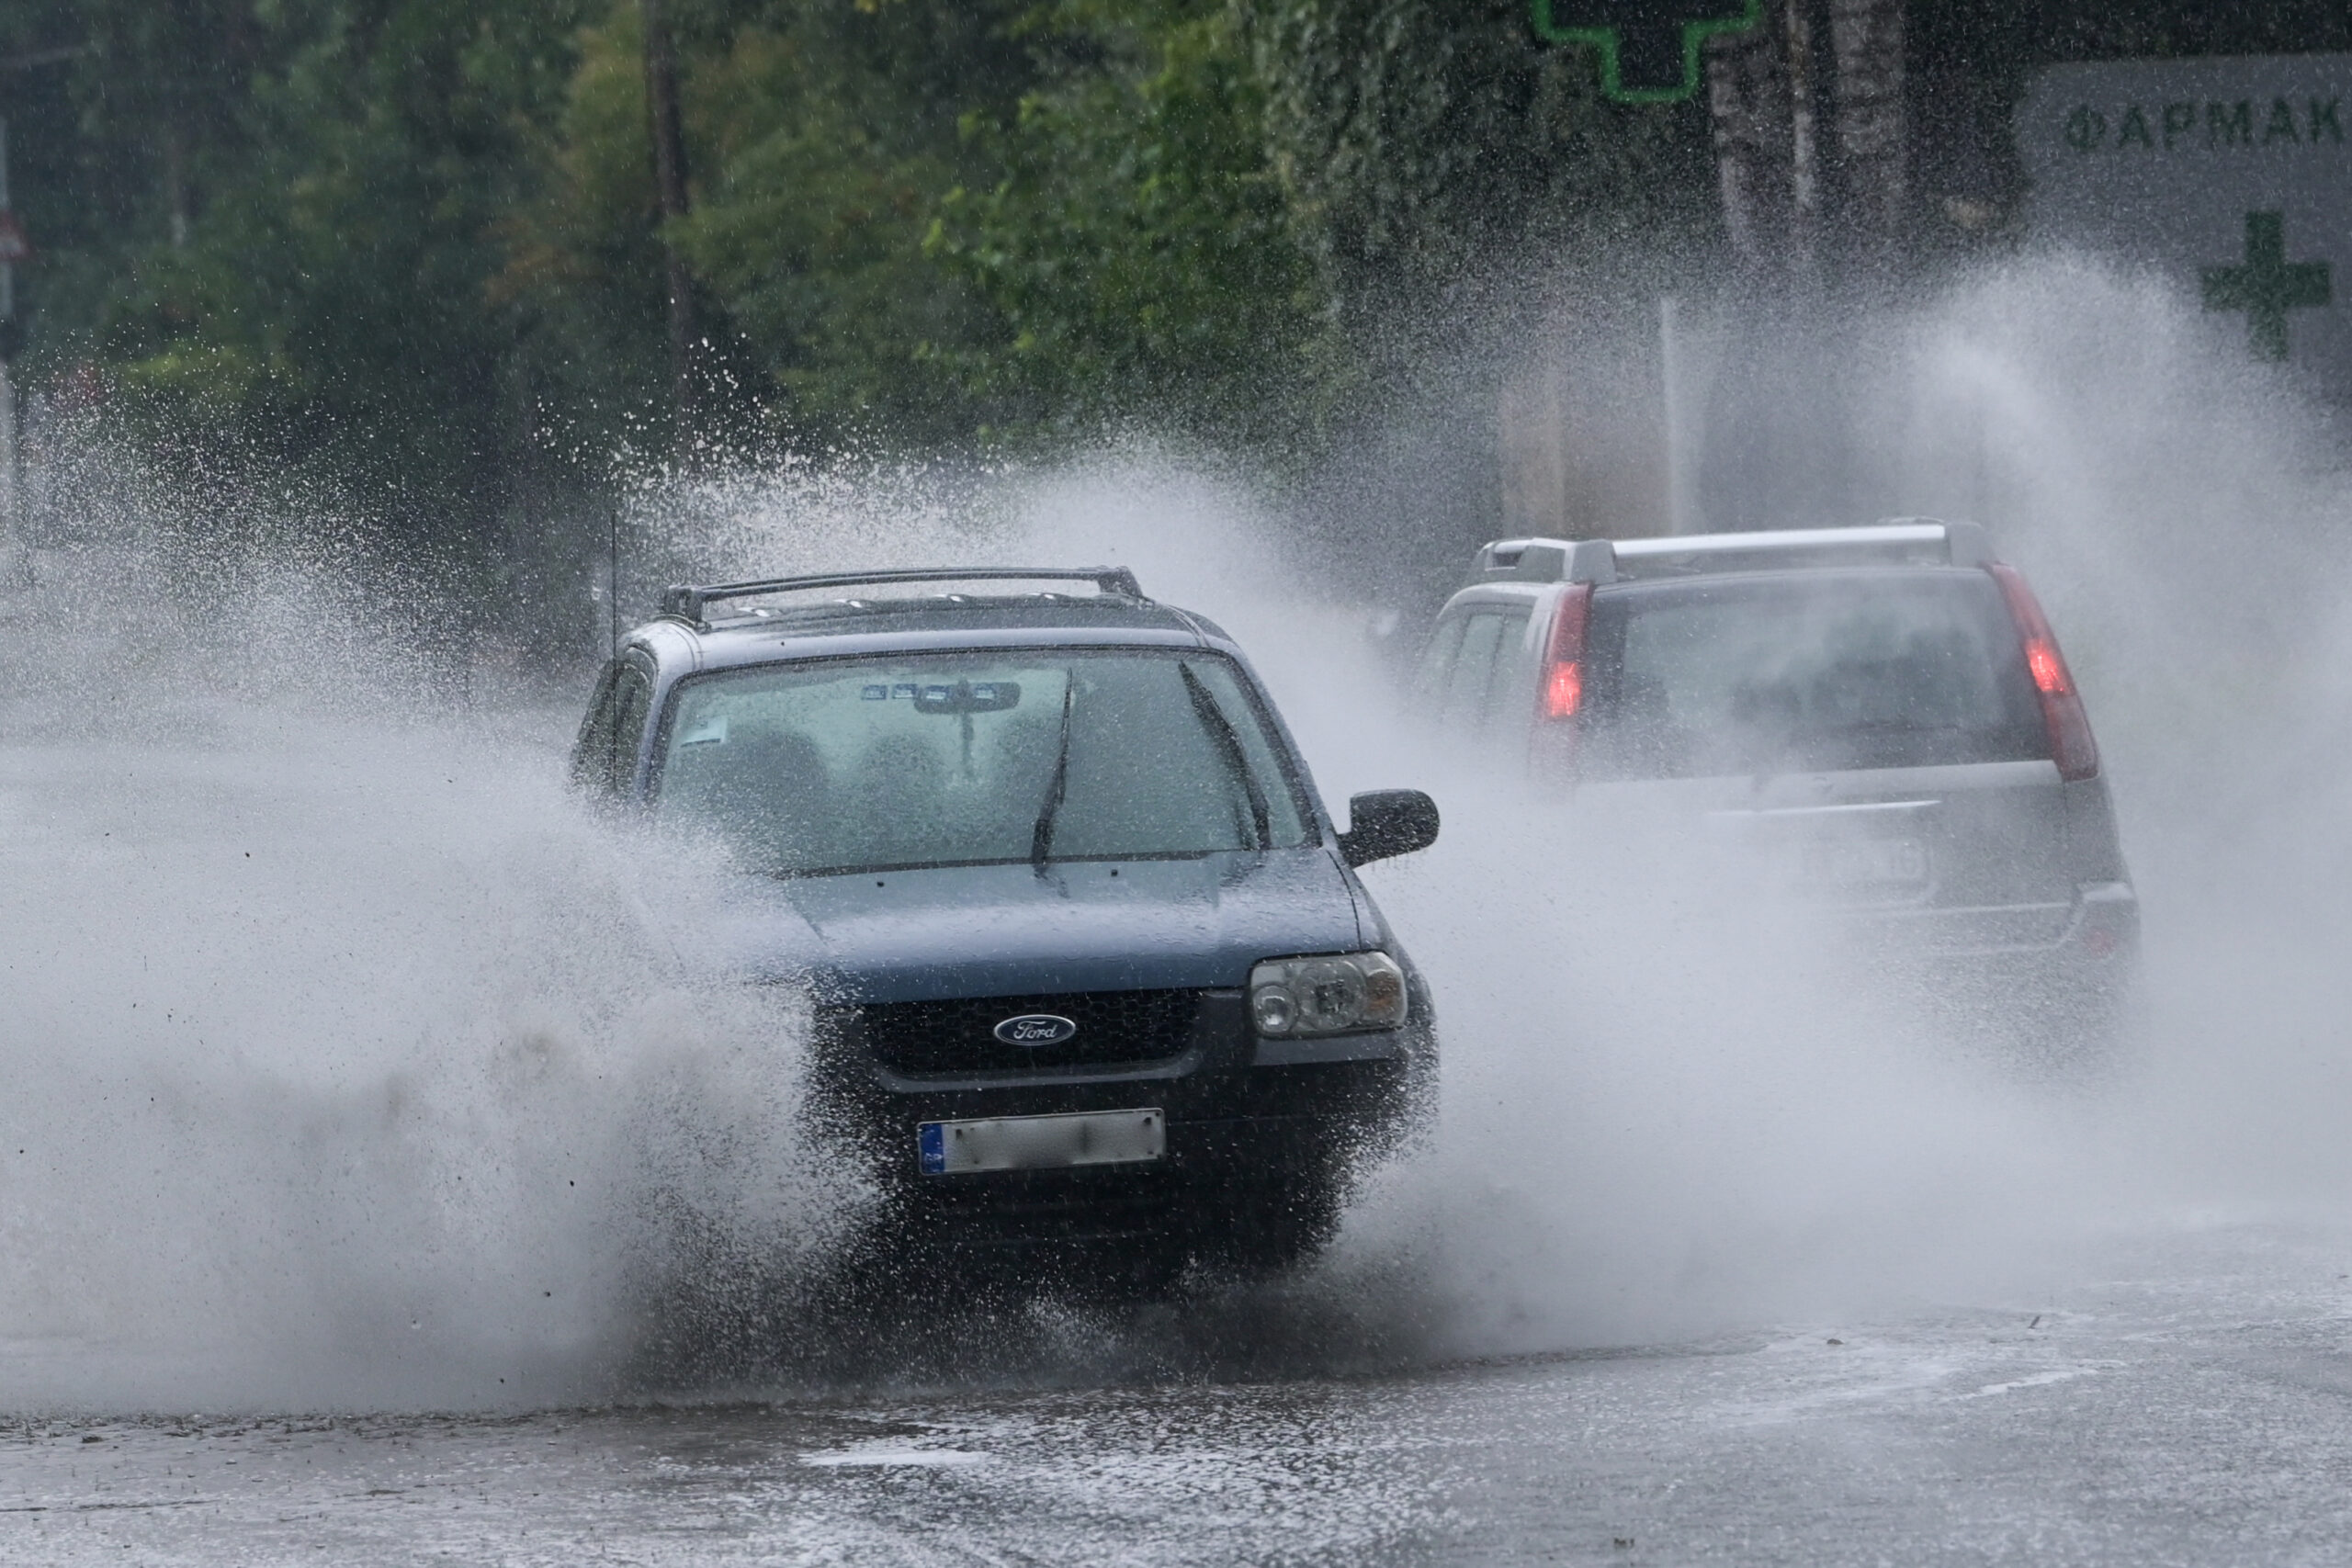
[[412, 1154]]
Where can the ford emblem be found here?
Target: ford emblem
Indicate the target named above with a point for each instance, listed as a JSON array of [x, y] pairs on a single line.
[[1036, 1029]]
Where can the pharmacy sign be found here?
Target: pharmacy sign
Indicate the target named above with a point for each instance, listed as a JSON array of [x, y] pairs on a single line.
[[2231, 174], [1647, 50]]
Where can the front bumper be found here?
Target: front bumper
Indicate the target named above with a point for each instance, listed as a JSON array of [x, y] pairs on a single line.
[[1251, 1144]]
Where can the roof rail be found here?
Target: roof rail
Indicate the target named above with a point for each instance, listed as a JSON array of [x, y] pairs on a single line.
[[685, 603], [1549, 560], [1605, 560]]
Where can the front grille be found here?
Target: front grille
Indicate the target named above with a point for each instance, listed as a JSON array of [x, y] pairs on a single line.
[[958, 1037]]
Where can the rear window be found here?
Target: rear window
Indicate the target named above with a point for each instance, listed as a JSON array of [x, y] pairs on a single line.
[[1806, 674]]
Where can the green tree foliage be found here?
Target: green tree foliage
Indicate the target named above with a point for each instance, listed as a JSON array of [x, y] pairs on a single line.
[[821, 136], [1424, 148], [1042, 220], [1136, 247], [310, 283], [413, 244], [831, 137]]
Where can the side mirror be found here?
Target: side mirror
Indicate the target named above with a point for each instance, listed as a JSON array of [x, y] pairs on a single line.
[[1388, 822]]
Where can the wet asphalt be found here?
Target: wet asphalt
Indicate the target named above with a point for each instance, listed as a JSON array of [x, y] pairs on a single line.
[[2192, 1405]]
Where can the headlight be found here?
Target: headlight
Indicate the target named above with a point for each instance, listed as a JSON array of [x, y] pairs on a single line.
[[1327, 996]]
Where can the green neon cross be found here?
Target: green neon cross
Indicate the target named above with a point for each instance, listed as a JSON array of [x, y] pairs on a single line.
[[2267, 286], [1649, 49]]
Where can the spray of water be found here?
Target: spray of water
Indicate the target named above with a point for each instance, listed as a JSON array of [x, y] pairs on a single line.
[[344, 1066], [346, 1069]]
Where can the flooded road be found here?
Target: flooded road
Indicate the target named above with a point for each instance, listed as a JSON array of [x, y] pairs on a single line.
[[2191, 1405], [343, 1088]]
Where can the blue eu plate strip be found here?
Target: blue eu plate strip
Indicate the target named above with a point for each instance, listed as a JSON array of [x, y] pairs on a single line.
[[930, 1148]]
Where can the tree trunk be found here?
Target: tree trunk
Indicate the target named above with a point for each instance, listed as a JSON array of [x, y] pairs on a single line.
[[175, 201], [1811, 154], [1810, 140]]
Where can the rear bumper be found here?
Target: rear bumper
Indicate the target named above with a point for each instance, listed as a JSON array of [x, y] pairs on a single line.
[[2098, 929], [2062, 992]]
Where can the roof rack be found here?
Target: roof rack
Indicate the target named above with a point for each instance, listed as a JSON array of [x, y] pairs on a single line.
[[685, 603], [1898, 539]]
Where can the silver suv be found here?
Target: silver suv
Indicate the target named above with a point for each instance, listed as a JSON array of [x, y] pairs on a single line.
[[1877, 720], [1097, 990]]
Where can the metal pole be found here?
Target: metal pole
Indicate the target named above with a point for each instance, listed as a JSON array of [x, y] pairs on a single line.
[[1677, 471], [12, 537], [7, 268], [670, 189]]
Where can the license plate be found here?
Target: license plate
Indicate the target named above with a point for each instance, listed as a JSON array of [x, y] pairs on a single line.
[[1042, 1143], [1864, 863]]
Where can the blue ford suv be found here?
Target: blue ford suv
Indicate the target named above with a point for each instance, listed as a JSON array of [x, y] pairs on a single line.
[[1092, 971]]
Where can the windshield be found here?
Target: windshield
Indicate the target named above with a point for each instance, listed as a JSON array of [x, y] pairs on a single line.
[[961, 759], [1807, 674]]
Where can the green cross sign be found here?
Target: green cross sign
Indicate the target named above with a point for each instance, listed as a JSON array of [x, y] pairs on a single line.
[[1649, 49], [2267, 286]]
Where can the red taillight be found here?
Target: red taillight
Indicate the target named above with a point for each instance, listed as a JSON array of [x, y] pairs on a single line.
[[2049, 667], [1563, 691], [2071, 746], [1552, 750], [1564, 655]]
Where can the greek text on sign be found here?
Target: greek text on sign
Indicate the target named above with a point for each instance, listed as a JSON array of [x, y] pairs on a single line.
[[2230, 176], [2166, 128]]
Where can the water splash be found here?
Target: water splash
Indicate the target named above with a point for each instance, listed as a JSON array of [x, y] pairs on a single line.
[[344, 1070]]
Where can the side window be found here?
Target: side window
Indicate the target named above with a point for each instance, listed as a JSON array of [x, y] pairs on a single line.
[[604, 757], [637, 697], [1479, 665], [1463, 704], [589, 753], [1511, 696], [1437, 660]]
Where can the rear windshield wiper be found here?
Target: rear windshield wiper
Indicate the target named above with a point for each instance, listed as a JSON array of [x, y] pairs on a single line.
[[1041, 839], [1228, 741]]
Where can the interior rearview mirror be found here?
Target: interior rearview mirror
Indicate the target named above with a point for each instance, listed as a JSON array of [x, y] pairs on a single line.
[[1386, 822], [968, 696]]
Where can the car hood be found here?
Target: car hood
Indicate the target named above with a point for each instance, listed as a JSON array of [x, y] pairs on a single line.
[[1009, 931]]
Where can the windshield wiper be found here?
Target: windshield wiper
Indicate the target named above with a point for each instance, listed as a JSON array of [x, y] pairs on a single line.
[[1228, 741], [1041, 841]]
